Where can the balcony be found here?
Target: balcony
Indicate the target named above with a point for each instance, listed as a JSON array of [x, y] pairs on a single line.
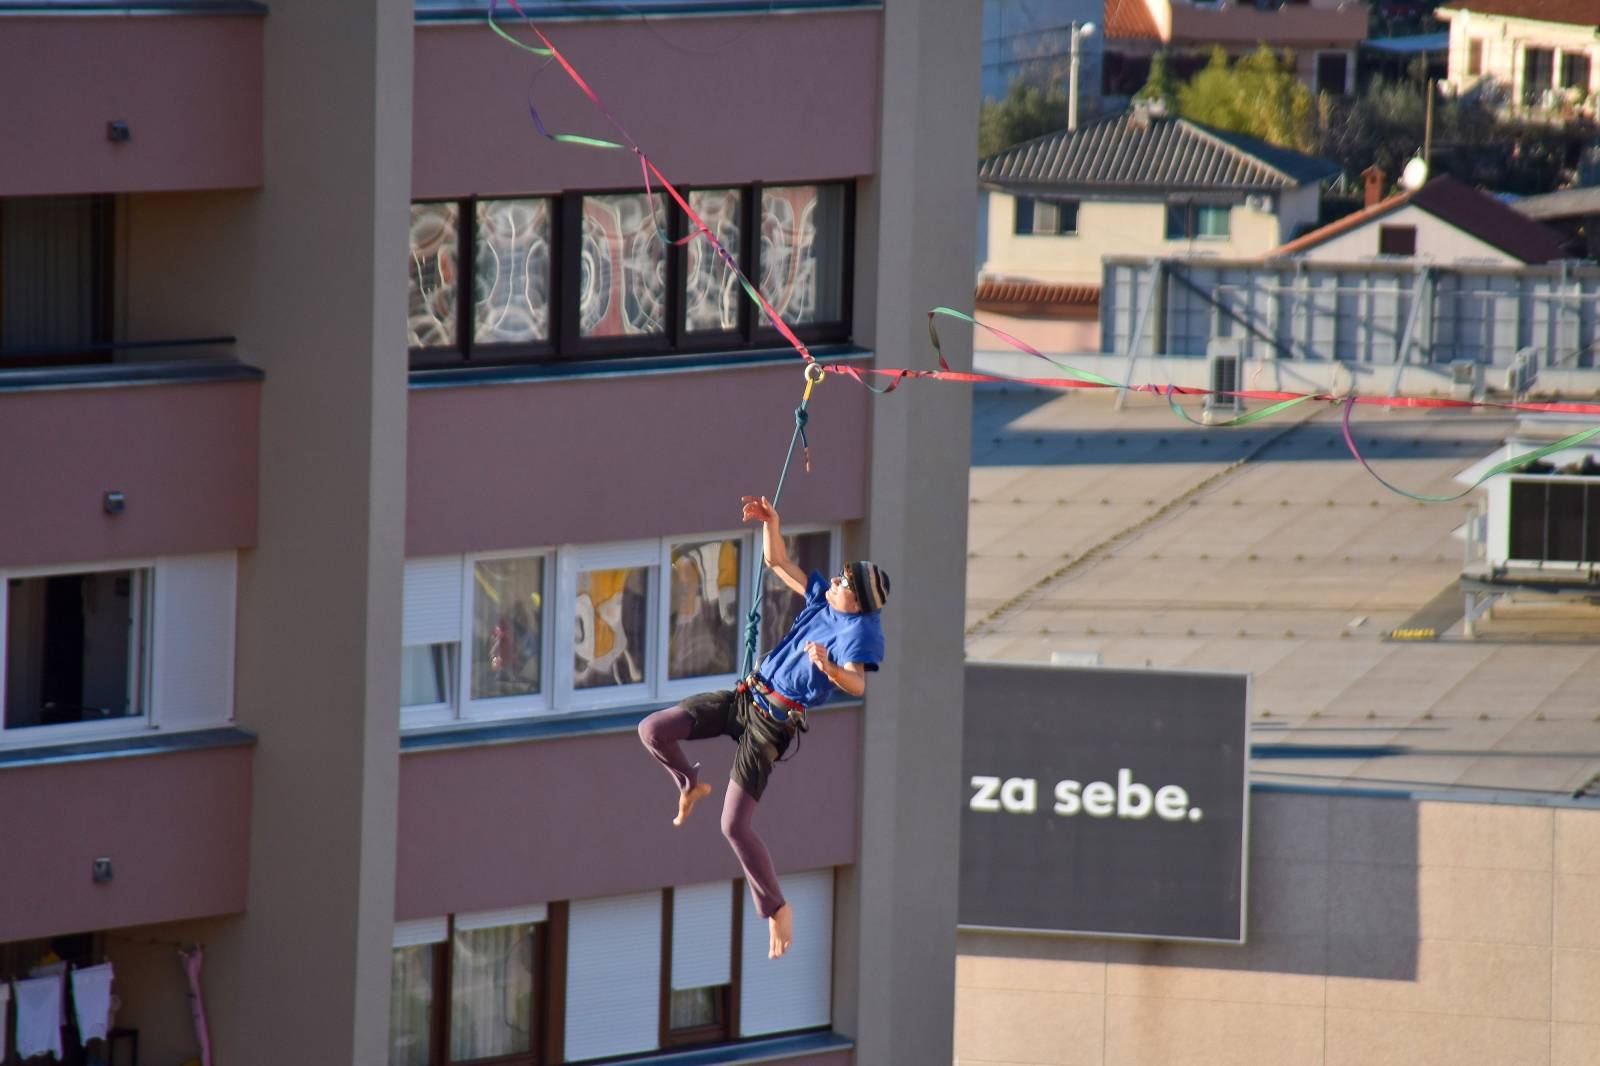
[[130, 97]]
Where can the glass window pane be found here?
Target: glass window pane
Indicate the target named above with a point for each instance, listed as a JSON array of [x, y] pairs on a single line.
[[1177, 222], [622, 282], [73, 648], [425, 674], [411, 1006], [779, 605], [612, 622], [507, 627], [1213, 220], [705, 631], [511, 272], [1047, 217], [713, 295], [492, 991], [53, 260], [802, 252], [431, 307], [692, 1008]]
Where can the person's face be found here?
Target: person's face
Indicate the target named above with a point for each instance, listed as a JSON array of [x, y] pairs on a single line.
[[841, 597]]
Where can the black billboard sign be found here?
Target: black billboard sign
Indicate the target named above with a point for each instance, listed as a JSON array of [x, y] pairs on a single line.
[[1105, 802]]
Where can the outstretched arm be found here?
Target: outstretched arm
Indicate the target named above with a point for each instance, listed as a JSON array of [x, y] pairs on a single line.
[[758, 509]]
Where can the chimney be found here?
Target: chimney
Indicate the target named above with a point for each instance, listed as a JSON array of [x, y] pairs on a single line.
[[1373, 182]]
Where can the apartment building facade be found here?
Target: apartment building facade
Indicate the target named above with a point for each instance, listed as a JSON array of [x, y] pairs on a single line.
[[376, 467]]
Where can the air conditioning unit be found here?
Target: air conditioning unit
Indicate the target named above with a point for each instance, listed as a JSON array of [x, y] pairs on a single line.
[[1522, 372], [1223, 378], [1260, 202], [1466, 378]]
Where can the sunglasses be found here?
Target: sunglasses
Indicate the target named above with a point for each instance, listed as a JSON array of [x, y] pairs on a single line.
[[843, 579]]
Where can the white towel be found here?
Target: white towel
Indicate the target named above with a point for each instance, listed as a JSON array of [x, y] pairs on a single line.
[[39, 1017], [91, 996]]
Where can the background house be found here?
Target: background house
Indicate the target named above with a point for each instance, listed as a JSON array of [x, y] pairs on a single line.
[[1323, 35], [1544, 54], [1575, 213], [1135, 183]]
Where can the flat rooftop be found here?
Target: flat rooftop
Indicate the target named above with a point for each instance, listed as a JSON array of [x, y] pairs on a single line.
[[1266, 549]]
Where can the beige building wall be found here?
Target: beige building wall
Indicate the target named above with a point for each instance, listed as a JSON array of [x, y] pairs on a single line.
[[1437, 241], [1131, 227], [1382, 932], [1503, 40]]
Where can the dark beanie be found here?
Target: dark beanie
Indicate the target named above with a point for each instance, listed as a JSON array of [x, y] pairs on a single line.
[[870, 584]]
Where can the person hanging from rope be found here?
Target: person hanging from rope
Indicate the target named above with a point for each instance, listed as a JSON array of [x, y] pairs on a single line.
[[835, 640]]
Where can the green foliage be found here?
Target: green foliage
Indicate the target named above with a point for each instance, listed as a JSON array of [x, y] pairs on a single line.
[[1386, 125], [1258, 96], [1026, 112], [1162, 85]]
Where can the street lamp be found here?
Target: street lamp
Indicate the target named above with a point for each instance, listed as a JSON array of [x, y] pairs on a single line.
[[1080, 30]]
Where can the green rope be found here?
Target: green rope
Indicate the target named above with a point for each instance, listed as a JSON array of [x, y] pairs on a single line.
[[752, 628]]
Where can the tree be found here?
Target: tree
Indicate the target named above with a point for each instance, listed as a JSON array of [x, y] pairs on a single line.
[[1258, 96], [1161, 86], [1026, 112]]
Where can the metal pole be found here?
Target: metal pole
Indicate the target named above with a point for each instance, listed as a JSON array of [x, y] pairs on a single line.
[[1072, 82], [1427, 129]]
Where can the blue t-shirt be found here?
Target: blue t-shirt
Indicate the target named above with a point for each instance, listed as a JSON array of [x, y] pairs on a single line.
[[849, 638]]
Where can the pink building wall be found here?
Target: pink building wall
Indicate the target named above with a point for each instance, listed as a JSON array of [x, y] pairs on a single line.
[[572, 462], [184, 456], [486, 827], [753, 99], [176, 827], [1291, 24], [188, 88]]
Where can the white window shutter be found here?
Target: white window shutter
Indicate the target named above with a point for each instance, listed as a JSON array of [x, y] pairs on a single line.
[[613, 976], [702, 935], [795, 991], [431, 612], [419, 932], [192, 640], [528, 915]]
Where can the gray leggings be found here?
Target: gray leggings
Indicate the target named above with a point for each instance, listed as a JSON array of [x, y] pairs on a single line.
[[662, 732]]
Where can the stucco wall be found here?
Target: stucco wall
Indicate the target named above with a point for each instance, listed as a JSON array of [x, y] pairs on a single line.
[[1503, 41], [1380, 932], [1125, 227], [1437, 241]]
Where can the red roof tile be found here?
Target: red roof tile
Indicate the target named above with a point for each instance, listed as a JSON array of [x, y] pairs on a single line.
[[1572, 12], [1054, 299], [1462, 206]]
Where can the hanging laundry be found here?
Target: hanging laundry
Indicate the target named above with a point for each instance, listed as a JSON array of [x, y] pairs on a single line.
[[91, 998], [39, 1016]]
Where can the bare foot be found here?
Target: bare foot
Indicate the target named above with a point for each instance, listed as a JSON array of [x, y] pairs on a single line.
[[687, 800], [780, 927]]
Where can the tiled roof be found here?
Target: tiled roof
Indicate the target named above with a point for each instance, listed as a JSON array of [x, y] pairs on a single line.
[[1572, 12], [1568, 203], [1131, 151], [1127, 19], [1462, 206], [1038, 297]]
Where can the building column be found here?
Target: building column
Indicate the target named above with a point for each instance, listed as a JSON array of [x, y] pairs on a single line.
[[918, 235], [303, 975]]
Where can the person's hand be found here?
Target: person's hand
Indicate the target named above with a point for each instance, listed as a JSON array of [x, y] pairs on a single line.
[[818, 656], [758, 509]]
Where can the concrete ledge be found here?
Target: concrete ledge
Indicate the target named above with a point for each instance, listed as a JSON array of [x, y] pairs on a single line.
[[772, 1049], [114, 375], [148, 743], [445, 377]]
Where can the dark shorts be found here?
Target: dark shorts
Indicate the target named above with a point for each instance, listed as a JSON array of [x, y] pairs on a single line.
[[761, 740]]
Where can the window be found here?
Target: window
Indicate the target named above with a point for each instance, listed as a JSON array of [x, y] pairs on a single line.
[[116, 647], [1474, 57], [1333, 72], [76, 648], [779, 605], [469, 989], [1575, 70], [697, 1006], [594, 275], [1538, 73], [1191, 221], [703, 634], [55, 279], [507, 627], [1397, 240], [610, 635], [1041, 217]]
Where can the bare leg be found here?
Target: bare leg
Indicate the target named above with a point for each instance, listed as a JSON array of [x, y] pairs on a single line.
[[661, 734], [738, 811]]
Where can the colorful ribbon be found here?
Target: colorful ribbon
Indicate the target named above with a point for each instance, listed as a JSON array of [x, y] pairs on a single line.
[[1075, 378]]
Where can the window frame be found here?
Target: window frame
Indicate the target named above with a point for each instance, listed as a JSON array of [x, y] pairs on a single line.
[[1405, 234], [565, 345], [1475, 53], [499, 708], [1189, 211], [835, 553], [141, 657], [614, 556], [726, 1031], [1032, 215]]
